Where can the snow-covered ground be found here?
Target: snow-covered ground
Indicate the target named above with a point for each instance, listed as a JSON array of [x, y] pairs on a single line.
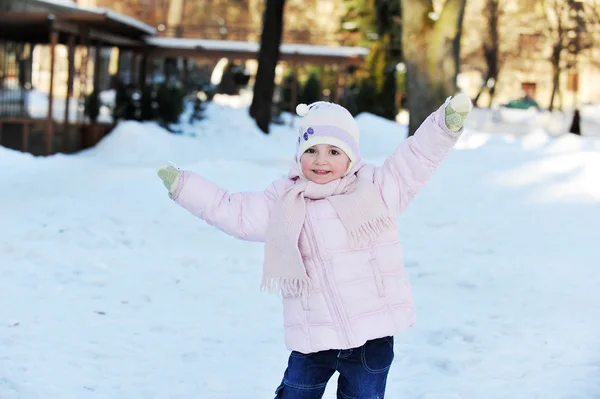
[[517, 121], [109, 290]]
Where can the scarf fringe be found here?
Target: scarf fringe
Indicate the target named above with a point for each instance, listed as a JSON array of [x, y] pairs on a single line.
[[369, 231], [289, 286]]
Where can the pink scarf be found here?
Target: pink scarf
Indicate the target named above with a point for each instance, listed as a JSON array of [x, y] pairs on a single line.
[[359, 206]]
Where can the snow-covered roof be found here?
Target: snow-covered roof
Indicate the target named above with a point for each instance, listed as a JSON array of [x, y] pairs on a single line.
[[331, 51], [70, 7], [286, 49], [124, 19], [240, 46]]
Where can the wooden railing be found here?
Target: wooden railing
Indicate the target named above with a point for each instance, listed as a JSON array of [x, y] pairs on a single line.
[[25, 131], [30, 135]]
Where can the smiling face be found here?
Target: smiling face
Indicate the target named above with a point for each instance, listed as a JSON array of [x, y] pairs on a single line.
[[323, 163]]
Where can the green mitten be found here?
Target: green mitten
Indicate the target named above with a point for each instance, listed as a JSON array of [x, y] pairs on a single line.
[[170, 177], [456, 111]]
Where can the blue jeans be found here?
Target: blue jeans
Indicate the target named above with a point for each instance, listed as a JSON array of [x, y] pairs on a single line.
[[363, 372]]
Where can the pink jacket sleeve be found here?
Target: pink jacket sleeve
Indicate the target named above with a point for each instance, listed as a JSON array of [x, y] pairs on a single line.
[[242, 215], [414, 161]]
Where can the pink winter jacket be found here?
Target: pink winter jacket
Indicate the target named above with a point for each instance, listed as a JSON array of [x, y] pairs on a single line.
[[357, 294]]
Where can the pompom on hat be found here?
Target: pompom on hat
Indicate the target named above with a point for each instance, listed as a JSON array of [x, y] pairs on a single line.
[[327, 123]]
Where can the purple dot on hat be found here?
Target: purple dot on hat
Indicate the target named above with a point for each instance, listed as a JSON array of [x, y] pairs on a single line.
[[298, 140], [310, 130], [306, 136]]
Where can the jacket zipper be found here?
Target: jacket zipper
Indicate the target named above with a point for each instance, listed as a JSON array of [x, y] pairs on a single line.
[[328, 284]]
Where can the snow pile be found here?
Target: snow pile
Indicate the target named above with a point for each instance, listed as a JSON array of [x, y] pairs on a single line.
[[10, 157], [137, 143]]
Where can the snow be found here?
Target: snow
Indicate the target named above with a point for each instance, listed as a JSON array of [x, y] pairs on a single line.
[[109, 290], [253, 47], [67, 5], [518, 122], [313, 49]]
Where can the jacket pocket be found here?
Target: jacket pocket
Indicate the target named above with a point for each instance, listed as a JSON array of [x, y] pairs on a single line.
[[304, 300], [377, 355], [377, 275]]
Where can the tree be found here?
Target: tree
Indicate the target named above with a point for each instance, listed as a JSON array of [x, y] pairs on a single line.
[[594, 7], [311, 91], [170, 98], [376, 24], [388, 17], [431, 44], [288, 99], [568, 27], [388, 94], [268, 56], [491, 50], [358, 25], [152, 12]]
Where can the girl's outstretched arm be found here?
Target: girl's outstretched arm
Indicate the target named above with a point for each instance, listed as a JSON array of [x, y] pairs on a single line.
[[414, 161], [242, 215]]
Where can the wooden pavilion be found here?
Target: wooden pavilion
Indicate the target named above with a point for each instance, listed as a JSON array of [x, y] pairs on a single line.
[[25, 24]]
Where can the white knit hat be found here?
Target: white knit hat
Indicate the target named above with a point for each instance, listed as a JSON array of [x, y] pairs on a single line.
[[327, 123]]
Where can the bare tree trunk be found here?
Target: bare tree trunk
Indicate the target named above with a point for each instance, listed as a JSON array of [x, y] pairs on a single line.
[[491, 45], [268, 57], [493, 90], [488, 84], [555, 84], [431, 50], [555, 73]]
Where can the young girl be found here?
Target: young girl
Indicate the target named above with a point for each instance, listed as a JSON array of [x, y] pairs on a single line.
[[331, 243]]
